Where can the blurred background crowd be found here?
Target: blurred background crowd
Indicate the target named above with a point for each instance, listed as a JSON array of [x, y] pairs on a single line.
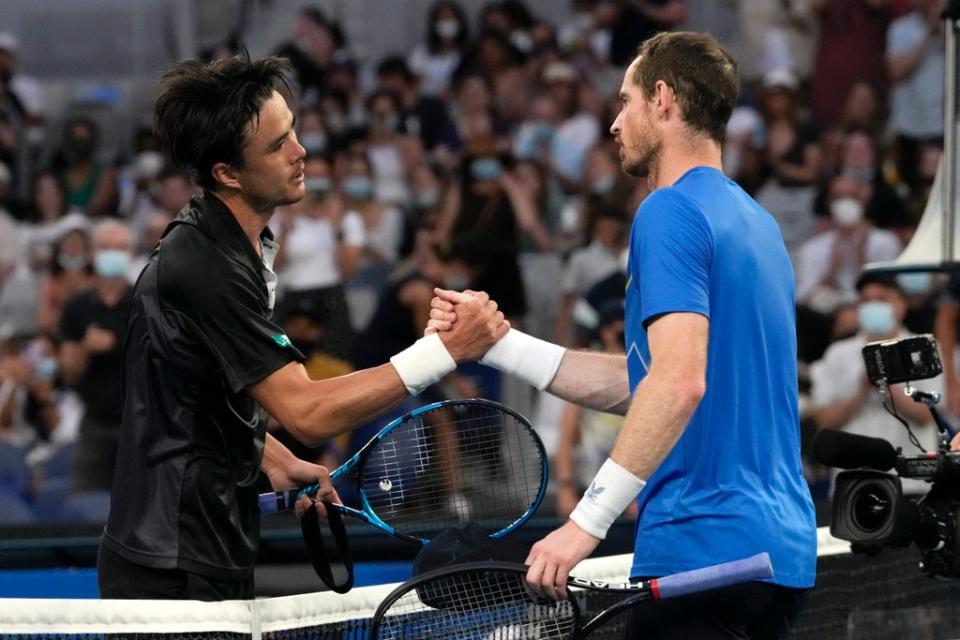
[[477, 156]]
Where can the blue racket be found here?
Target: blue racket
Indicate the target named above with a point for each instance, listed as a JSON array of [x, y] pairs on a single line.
[[440, 466]]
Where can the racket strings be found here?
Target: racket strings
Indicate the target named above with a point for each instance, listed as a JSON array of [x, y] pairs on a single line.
[[488, 605], [452, 466]]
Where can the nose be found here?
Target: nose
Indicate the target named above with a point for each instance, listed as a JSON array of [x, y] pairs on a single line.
[[615, 127]]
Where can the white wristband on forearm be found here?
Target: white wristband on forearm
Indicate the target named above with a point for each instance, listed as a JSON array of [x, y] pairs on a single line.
[[423, 363], [610, 493], [532, 360]]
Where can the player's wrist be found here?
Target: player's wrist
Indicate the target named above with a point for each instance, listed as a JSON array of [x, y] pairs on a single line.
[[609, 495], [532, 360], [423, 363]]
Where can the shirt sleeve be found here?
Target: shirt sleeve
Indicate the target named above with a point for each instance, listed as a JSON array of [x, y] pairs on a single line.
[[671, 256], [354, 233], [900, 38], [227, 314]]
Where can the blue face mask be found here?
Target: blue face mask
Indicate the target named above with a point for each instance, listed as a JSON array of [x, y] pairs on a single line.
[[603, 185], [111, 263], [318, 186], [486, 169], [314, 143], [876, 318], [914, 283], [46, 369], [427, 199], [357, 187]]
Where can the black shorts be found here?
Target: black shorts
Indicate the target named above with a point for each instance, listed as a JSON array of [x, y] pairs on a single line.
[[118, 578], [751, 611]]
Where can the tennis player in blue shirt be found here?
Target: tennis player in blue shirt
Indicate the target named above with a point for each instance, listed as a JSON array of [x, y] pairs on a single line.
[[710, 447]]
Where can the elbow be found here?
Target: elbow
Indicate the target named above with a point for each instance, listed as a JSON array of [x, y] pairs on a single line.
[[691, 393], [311, 426]]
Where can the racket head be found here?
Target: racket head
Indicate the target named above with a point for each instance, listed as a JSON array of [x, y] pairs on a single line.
[[451, 462], [489, 600]]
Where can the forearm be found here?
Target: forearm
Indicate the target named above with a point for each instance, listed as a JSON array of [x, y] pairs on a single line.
[[834, 416], [946, 333], [73, 361], [902, 65], [594, 380], [659, 413], [915, 412], [337, 405]]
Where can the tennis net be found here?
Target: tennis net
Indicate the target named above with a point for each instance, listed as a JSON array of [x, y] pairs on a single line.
[[856, 598]]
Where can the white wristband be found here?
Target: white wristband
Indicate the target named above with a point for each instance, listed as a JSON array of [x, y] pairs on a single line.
[[532, 360], [610, 493], [423, 363]]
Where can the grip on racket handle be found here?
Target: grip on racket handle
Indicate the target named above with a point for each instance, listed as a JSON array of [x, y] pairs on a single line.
[[277, 501], [755, 567]]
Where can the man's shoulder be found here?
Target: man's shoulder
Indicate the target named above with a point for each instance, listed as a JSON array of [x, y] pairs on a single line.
[[189, 261], [845, 349]]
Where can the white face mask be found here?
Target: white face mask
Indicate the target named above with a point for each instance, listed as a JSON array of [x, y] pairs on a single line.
[[846, 212], [448, 28]]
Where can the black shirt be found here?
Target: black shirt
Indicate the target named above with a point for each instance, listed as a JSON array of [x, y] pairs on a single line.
[[191, 442], [100, 386]]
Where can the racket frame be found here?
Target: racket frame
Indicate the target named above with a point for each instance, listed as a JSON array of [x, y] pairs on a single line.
[[283, 500]]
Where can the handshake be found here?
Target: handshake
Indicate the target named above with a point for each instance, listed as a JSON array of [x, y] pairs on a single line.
[[466, 326]]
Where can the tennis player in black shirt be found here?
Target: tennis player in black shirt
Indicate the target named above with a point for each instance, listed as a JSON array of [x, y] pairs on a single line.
[[203, 363]]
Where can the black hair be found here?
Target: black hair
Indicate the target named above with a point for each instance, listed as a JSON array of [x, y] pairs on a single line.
[[203, 111], [395, 65]]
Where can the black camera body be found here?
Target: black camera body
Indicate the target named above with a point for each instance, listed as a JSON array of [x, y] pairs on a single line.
[[894, 361], [871, 511], [869, 507]]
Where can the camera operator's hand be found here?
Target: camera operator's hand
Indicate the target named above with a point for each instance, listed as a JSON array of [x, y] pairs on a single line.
[[955, 443]]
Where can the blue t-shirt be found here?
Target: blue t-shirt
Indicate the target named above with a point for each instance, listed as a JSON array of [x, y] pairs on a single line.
[[733, 485]]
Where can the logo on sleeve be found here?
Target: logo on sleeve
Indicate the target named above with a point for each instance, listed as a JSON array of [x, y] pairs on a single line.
[[282, 340]]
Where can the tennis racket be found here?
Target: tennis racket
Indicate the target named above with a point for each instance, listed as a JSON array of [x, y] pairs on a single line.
[[440, 466], [492, 601]]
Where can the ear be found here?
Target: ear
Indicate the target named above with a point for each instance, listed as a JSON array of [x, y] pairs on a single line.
[[226, 175], [664, 97]]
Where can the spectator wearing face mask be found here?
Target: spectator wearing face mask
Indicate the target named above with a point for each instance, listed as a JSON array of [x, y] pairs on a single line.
[[91, 355], [387, 151], [383, 226], [578, 129], [320, 246], [842, 396], [829, 263], [70, 274], [91, 185], [436, 60]]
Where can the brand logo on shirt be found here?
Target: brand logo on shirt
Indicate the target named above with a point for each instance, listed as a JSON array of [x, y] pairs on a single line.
[[282, 340]]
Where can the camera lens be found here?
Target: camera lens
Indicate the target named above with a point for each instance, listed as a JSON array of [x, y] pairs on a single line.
[[871, 508]]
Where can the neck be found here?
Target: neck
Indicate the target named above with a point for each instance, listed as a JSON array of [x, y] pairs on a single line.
[[676, 160], [250, 219]]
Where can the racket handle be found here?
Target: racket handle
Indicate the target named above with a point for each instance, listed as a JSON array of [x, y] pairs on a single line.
[[277, 501], [755, 567]]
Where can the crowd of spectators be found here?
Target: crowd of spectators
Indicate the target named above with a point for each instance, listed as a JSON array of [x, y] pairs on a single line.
[[482, 159]]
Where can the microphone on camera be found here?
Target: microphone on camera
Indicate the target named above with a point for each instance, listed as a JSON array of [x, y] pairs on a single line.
[[850, 451]]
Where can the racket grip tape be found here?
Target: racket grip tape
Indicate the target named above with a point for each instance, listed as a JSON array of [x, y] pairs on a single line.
[[756, 567], [277, 501]]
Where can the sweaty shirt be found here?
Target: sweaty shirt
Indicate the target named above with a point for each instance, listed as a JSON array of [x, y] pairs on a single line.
[[733, 485]]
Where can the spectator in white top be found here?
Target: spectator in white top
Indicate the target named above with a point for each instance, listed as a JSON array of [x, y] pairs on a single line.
[[578, 130], [436, 60], [386, 150], [590, 265], [320, 247], [829, 263], [842, 396], [915, 67], [383, 224]]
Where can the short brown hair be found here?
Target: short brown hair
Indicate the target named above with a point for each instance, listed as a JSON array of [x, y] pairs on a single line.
[[702, 75]]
